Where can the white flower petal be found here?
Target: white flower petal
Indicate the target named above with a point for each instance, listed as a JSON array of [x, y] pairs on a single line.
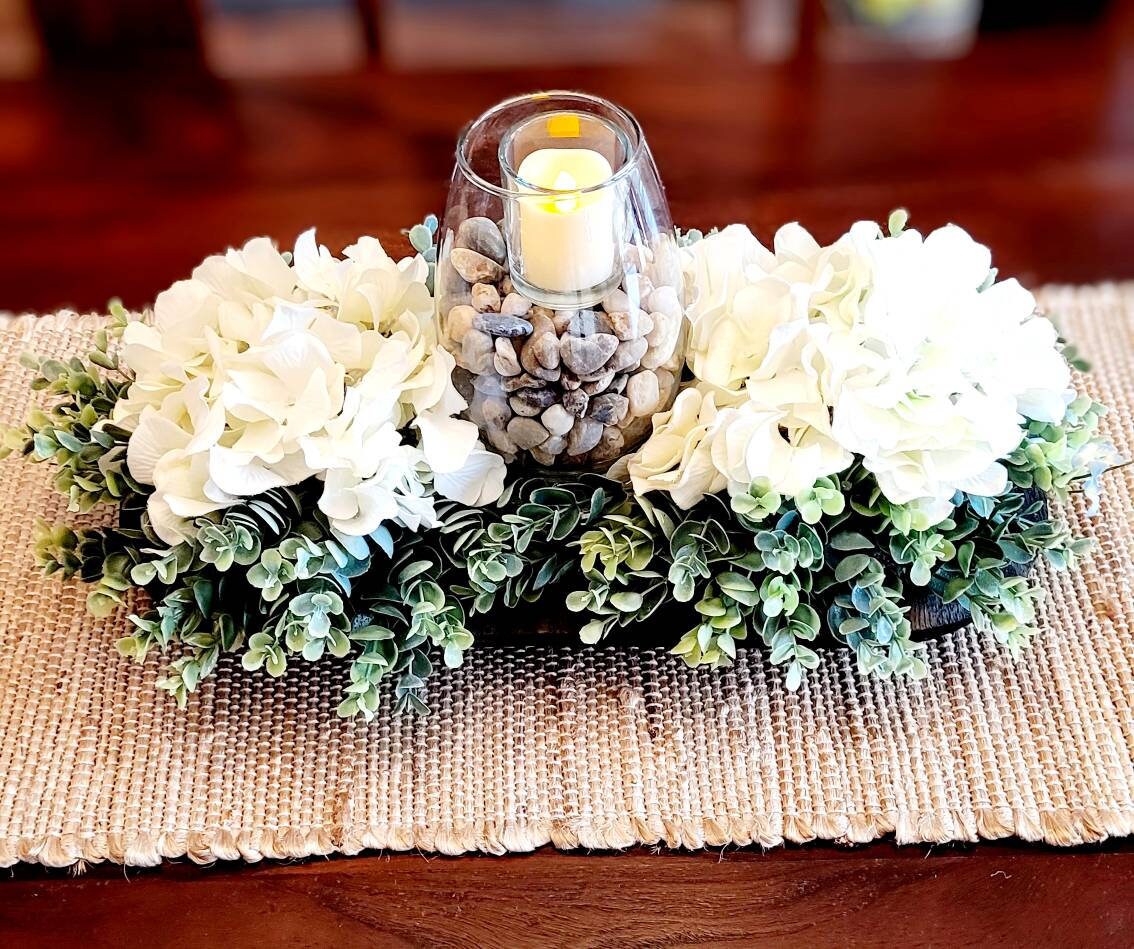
[[479, 481], [244, 475], [167, 525], [447, 442], [154, 437]]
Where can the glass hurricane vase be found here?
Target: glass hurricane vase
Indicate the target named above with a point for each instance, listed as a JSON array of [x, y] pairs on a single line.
[[559, 284]]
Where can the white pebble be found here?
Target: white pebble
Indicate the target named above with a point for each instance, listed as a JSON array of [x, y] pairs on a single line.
[[516, 305], [459, 321], [506, 361], [557, 420], [664, 300], [616, 301], [485, 298], [643, 392]]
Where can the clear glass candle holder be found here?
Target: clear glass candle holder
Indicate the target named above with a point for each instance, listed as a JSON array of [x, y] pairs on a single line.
[[559, 284]]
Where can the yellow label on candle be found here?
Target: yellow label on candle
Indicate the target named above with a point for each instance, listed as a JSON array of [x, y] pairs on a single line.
[[563, 125]]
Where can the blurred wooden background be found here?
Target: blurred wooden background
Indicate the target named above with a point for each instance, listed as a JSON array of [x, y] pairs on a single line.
[[121, 170]]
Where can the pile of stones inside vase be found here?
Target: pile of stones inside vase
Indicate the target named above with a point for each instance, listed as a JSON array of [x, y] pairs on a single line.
[[574, 388]]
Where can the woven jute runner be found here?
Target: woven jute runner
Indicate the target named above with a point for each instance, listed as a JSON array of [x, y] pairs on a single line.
[[582, 747]]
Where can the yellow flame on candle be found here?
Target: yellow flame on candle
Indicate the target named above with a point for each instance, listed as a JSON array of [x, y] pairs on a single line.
[[564, 181]]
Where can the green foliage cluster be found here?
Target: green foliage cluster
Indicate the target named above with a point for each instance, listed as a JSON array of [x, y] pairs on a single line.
[[76, 432], [776, 568]]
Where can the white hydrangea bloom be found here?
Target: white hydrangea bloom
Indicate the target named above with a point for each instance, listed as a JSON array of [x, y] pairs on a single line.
[[892, 349], [678, 456], [256, 373]]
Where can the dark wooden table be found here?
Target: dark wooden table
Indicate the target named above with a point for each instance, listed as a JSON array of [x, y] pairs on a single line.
[[116, 186]]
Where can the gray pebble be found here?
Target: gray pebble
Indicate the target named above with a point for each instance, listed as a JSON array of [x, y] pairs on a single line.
[[608, 408], [523, 381], [588, 323], [498, 438], [609, 447], [485, 297], [495, 412], [586, 354], [547, 375], [541, 352], [506, 361], [490, 385], [598, 383], [499, 324], [619, 383], [562, 321], [546, 453], [545, 458], [532, 401], [541, 321], [557, 420], [476, 351], [585, 434], [482, 236], [576, 402], [628, 355], [474, 267], [516, 305], [464, 382], [527, 432]]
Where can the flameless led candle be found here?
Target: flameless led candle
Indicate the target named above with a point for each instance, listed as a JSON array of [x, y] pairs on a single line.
[[567, 241]]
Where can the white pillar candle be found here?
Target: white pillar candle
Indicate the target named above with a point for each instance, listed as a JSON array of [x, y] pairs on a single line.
[[567, 243]]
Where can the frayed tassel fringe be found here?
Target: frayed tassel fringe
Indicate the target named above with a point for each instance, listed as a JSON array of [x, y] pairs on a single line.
[[1061, 827]]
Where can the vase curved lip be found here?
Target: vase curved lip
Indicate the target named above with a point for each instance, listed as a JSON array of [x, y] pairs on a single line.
[[637, 149]]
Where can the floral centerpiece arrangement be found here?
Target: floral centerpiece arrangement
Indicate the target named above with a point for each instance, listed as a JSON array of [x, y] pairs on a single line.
[[293, 478]]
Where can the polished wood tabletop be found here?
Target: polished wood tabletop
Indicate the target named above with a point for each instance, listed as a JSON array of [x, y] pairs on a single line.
[[114, 186]]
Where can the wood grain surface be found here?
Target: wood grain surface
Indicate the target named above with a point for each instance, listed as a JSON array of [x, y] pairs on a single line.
[[117, 185], [816, 896]]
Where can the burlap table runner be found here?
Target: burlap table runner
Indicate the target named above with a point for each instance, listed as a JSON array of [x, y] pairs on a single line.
[[580, 747]]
